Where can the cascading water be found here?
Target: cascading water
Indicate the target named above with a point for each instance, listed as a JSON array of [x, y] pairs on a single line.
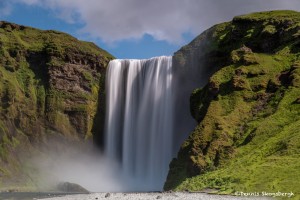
[[139, 120]]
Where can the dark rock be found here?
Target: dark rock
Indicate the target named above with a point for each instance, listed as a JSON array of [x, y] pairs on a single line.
[[213, 88], [297, 101], [239, 83], [107, 195], [272, 86], [285, 78], [71, 188]]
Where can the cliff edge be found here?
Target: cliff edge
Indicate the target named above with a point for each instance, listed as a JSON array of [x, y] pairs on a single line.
[[51, 88], [247, 136]]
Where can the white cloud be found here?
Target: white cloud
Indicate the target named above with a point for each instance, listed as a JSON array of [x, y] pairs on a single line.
[[5, 8], [116, 20]]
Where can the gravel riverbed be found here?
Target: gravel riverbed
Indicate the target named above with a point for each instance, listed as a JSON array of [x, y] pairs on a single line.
[[148, 196]]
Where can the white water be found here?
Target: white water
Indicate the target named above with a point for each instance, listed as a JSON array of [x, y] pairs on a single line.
[[139, 120]]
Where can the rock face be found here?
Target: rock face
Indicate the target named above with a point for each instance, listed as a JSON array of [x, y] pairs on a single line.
[[68, 187], [248, 115], [51, 86]]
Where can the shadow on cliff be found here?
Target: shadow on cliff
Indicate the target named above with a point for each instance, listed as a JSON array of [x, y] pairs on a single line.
[[99, 119]]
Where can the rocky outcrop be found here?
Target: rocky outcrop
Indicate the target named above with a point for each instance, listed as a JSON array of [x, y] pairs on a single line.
[[68, 187], [247, 113], [49, 88]]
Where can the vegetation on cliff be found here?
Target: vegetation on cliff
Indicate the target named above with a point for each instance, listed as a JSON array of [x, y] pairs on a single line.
[[50, 83], [248, 133]]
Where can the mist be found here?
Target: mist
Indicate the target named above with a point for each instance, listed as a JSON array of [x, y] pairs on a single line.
[[88, 168]]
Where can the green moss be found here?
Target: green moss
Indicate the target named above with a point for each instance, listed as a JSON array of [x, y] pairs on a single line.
[[87, 76], [249, 33], [3, 152], [278, 15], [269, 29], [41, 98]]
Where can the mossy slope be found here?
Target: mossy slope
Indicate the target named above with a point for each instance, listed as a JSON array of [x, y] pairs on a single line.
[[50, 83], [247, 137]]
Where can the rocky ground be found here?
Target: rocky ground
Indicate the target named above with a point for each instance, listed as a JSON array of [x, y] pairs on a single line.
[[163, 196]]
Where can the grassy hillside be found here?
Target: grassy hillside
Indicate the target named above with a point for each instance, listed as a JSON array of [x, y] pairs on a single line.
[[50, 84], [248, 133]]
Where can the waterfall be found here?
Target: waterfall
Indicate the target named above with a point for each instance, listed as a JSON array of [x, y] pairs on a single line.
[[139, 120]]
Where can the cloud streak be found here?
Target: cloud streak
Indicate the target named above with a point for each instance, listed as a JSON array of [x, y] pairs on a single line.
[[168, 20]]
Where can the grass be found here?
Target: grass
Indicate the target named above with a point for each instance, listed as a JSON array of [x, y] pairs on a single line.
[[278, 15], [268, 163]]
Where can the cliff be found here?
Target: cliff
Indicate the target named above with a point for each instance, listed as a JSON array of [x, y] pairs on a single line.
[[247, 136], [51, 87]]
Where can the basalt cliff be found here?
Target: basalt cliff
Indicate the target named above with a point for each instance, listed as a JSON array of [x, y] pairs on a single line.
[[51, 87], [247, 136]]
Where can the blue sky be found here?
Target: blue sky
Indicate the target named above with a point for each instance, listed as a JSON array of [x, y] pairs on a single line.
[[133, 28]]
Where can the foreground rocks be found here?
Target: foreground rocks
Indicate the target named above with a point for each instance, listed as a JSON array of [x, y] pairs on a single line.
[[148, 196], [71, 188]]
